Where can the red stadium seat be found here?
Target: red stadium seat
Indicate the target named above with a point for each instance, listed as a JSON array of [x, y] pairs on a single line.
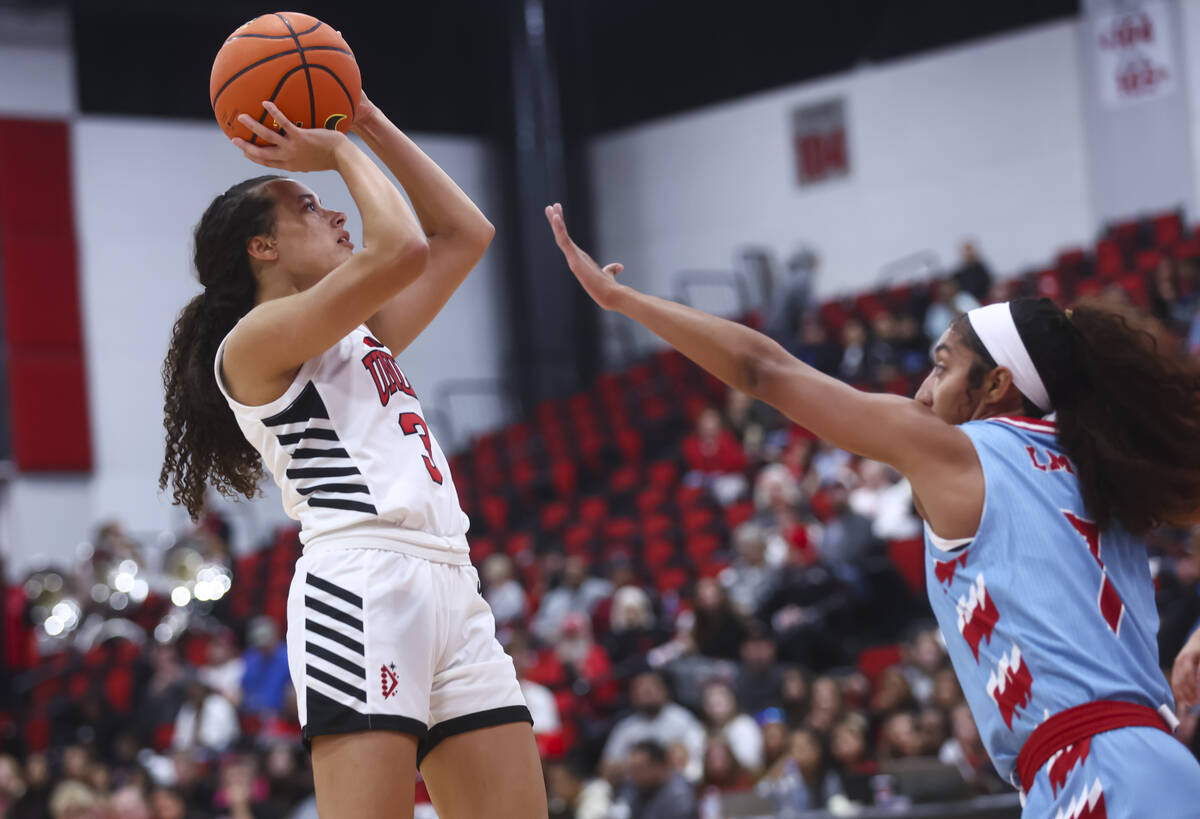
[[738, 513], [1168, 229], [657, 553], [657, 525], [874, 661], [663, 473], [554, 516], [908, 556], [671, 579]]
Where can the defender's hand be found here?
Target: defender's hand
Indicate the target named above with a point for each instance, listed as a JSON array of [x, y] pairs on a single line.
[[599, 282]]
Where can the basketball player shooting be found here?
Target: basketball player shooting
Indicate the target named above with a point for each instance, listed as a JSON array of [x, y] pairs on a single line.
[[287, 358], [1040, 448]]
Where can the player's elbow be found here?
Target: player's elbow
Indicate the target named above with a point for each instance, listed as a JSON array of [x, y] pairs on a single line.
[[408, 259], [761, 371]]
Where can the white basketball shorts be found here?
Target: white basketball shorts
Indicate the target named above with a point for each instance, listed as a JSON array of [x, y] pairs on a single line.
[[379, 640]]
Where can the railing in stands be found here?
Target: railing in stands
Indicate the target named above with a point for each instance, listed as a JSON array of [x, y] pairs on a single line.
[[735, 281], [921, 264], [448, 421]]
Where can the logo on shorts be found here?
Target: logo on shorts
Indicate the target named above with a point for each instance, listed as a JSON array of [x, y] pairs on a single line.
[[388, 679]]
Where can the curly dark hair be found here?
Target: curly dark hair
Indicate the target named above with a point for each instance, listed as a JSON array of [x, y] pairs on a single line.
[[1128, 414], [204, 446]]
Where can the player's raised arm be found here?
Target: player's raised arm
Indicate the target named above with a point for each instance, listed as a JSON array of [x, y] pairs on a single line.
[[457, 231], [278, 335], [888, 428]]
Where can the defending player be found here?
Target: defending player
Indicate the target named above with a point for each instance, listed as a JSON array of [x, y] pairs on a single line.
[[1034, 567], [391, 648]]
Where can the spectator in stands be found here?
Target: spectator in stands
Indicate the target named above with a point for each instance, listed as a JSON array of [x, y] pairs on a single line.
[[922, 659], [759, 677], [803, 779], [12, 786], [35, 801], [1168, 303], [715, 458], [913, 348], [655, 717], [739, 731], [847, 537], [814, 347], [722, 769], [778, 498], [899, 737], [947, 693], [189, 781], [850, 758], [207, 723], [266, 676], [949, 302], [225, 667], [244, 794], [502, 591], [170, 803], [749, 580], [165, 692], [74, 800], [652, 790], [892, 694], [933, 729], [886, 499], [972, 276], [807, 613], [965, 751], [129, 802], [633, 631], [855, 364], [717, 630], [543, 708], [1178, 597], [883, 352], [576, 593], [775, 735], [795, 693], [572, 795], [290, 781], [827, 705]]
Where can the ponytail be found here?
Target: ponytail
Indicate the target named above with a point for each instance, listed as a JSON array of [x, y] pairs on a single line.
[[204, 445]]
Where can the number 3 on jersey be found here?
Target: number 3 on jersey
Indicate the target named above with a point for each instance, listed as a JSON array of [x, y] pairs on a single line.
[[413, 424]]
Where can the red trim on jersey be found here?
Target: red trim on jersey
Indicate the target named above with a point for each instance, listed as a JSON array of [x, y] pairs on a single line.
[[1077, 724], [1021, 422]]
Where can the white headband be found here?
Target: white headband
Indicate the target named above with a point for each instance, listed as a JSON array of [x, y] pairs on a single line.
[[996, 329]]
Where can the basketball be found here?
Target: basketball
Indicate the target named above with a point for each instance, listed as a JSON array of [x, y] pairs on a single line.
[[294, 60]]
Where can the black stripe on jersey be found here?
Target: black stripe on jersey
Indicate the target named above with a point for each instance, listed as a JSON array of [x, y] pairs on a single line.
[[336, 614], [334, 682], [336, 636], [303, 453], [337, 488], [308, 405], [287, 439], [347, 505], [329, 657], [323, 472], [337, 591]]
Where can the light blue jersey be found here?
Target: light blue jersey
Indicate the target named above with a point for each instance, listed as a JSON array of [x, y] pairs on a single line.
[[1041, 610]]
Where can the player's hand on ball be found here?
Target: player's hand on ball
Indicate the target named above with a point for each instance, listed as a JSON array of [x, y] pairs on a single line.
[[289, 147], [599, 282], [365, 111]]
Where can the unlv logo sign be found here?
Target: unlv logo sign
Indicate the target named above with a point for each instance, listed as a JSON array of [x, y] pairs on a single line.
[[1134, 55]]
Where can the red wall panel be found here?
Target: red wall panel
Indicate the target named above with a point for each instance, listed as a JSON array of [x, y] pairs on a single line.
[[39, 270]]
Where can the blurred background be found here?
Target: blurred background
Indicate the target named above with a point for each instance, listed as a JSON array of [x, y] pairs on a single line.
[[703, 602]]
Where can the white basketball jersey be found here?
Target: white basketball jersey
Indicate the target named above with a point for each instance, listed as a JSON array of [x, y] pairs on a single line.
[[350, 449]]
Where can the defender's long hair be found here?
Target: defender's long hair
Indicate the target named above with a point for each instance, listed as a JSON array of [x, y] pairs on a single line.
[[1128, 414]]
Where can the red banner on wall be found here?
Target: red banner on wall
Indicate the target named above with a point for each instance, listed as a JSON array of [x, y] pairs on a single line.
[[820, 142]]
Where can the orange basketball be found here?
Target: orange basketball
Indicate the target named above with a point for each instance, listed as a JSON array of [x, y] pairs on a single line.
[[293, 60]]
